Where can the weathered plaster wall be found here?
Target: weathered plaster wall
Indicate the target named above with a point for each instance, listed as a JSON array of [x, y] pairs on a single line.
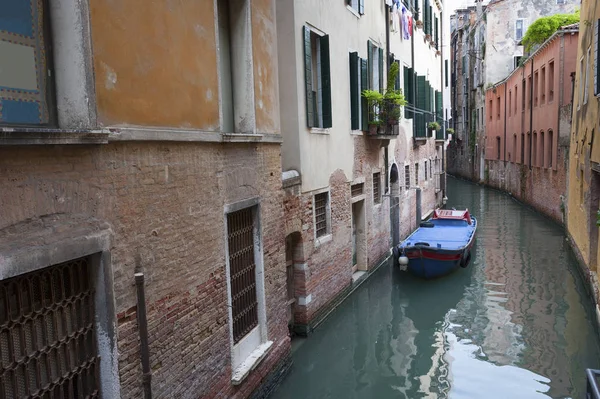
[[156, 65], [501, 41]]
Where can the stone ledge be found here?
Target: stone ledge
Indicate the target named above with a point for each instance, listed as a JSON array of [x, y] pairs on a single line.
[[253, 360], [44, 136], [128, 133]]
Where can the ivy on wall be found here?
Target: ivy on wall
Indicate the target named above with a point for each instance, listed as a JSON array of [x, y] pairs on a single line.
[[544, 27]]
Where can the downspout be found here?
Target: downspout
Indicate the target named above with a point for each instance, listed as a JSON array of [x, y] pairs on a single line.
[[442, 86], [143, 330], [413, 80], [505, 84], [531, 115], [387, 73]]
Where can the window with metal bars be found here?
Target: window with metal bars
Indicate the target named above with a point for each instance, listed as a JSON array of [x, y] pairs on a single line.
[[376, 187], [425, 170], [242, 268], [416, 174], [321, 204], [357, 189], [47, 336], [407, 176]]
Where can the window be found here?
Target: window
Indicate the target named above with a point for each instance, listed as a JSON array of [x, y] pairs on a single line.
[[529, 83], [357, 5], [425, 169], [430, 169], [519, 29], [550, 81], [509, 101], [536, 88], [416, 174], [561, 1], [364, 74], [409, 91], [522, 148], [491, 111], [580, 79], [317, 79], [357, 189], [534, 150], [376, 188], [498, 147], [587, 73], [49, 344], [543, 86], [477, 121], [514, 153], [446, 72], [516, 99], [550, 147], [523, 92], [407, 176], [516, 61], [321, 214], [498, 107], [542, 153], [27, 97]]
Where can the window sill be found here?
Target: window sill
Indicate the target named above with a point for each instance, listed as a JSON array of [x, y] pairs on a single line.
[[323, 240], [320, 130], [353, 11], [253, 360], [41, 136]]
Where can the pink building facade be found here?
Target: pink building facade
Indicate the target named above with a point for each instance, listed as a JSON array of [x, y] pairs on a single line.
[[528, 126]]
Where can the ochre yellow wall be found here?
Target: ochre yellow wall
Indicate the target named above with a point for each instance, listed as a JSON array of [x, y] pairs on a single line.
[[155, 63], [264, 49], [585, 121]]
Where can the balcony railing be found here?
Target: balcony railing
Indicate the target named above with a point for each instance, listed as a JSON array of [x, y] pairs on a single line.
[[385, 118]]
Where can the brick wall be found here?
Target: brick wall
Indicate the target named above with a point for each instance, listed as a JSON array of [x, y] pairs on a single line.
[[165, 205]]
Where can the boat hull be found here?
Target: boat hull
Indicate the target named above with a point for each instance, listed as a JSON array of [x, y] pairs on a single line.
[[430, 263]]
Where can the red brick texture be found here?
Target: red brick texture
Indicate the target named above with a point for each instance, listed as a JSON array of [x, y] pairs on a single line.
[[165, 203]]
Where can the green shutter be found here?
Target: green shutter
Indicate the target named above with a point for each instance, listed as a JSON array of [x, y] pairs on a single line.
[[381, 70], [397, 82], [407, 90], [439, 135], [354, 91], [361, 7], [421, 106], [436, 32], [310, 116], [369, 63], [430, 20], [325, 81], [364, 85]]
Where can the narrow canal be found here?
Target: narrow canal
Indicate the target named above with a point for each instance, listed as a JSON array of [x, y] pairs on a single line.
[[517, 323]]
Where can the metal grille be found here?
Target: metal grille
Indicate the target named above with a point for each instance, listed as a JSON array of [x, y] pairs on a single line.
[[242, 266], [407, 176], [357, 189], [376, 191], [321, 213], [47, 337]]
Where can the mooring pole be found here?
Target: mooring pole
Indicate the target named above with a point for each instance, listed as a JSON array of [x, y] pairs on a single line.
[[418, 200]]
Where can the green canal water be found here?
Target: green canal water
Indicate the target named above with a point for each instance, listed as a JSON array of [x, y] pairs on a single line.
[[517, 323]]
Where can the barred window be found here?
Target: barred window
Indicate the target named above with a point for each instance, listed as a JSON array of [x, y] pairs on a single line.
[[376, 189], [242, 277], [425, 170], [407, 176], [416, 174], [47, 335], [321, 204], [357, 189]]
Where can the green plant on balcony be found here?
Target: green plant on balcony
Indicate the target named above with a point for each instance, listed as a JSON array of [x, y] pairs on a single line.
[[433, 126], [385, 108], [450, 130]]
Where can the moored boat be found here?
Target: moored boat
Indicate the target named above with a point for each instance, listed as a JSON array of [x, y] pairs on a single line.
[[440, 245]]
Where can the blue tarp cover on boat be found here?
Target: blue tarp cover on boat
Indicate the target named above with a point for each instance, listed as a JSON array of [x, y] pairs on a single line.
[[450, 234]]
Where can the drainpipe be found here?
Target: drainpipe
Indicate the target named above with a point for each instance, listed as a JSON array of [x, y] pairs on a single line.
[[531, 115], [505, 84], [442, 86], [143, 330], [387, 72], [413, 81]]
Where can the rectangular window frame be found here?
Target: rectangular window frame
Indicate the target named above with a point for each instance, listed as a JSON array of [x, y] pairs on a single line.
[[407, 177], [587, 74], [550, 81], [377, 188], [321, 238], [244, 352], [317, 67], [519, 30]]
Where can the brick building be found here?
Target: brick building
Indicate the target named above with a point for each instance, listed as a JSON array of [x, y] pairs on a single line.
[[140, 142], [528, 126]]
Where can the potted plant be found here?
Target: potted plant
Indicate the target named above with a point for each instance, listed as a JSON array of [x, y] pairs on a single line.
[[450, 130], [427, 37], [433, 126], [385, 108]]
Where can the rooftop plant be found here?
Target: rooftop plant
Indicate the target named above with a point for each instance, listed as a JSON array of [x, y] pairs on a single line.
[[544, 27]]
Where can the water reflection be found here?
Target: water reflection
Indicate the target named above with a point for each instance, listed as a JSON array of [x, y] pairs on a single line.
[[516, 323]]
